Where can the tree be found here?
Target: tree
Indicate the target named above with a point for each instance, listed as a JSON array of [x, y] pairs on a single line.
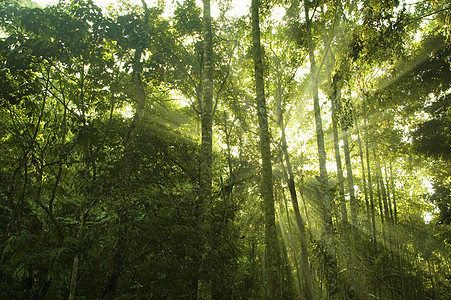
[[329, 247], [204, 286], [272, 257]]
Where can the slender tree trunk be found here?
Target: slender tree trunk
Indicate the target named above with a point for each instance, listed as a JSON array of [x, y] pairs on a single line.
[[335, 94], [272, 248], [74, 275], [292, 242], [228, 189], [370, 182], [308, 292], [73, 279], [364, 182], [388, 189], [288, 288], [393, 191], [329, 259], [204, 287], [383, 193], [378, 187], [306, 213], [350, 178], [381, 197]]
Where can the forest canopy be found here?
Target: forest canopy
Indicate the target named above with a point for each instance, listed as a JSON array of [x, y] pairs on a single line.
[[193, 150]]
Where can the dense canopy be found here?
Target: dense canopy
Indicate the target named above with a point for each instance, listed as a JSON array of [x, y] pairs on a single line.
[[290, 150]]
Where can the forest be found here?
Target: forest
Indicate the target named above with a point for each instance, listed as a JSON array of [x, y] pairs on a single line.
[[189, 150]]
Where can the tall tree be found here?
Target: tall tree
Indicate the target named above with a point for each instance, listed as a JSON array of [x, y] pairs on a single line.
[[272, 266], [335, 95], [329, 251], [204, 289], [308, 285], [349, 176]]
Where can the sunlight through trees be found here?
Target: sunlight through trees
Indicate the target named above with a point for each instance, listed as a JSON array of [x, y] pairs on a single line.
[[225, 150]]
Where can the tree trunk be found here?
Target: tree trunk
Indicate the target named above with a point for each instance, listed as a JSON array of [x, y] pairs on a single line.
[[204, 286], [350, 178], [385, 215], [378, 190], [334, 96], [392, 183], [370, 182], [364, 182], [73, 279], [292, 242], [228, 189], [74, 275], [388, 189], [329, 259], [287, 286], [308, 293], [272, 248]]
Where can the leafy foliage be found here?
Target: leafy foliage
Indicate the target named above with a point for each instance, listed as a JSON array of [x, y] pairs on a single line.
[[91, 173]]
